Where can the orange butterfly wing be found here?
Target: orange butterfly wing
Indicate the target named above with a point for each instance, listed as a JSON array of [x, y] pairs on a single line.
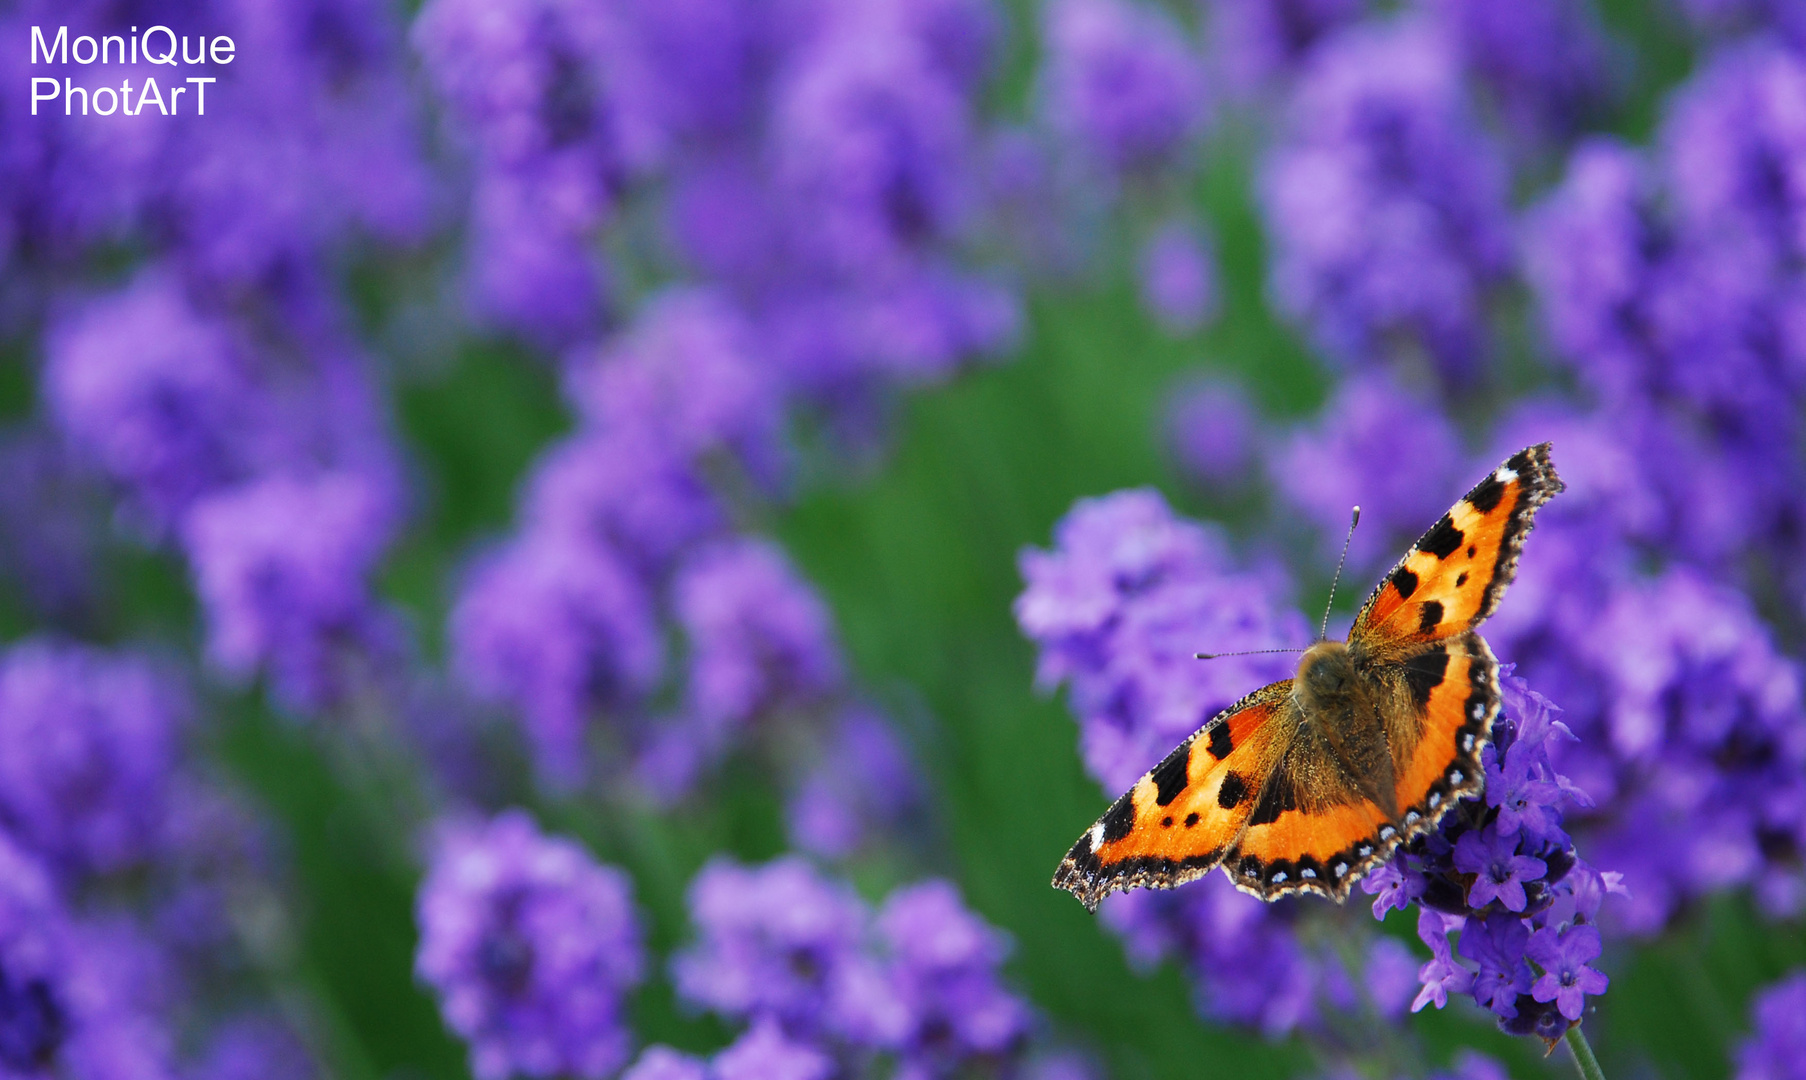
[[1453, 577], [1183, 815]]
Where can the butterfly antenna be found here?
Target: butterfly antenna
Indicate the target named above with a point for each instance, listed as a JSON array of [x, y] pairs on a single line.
[[1249, 652], [1323, 634]]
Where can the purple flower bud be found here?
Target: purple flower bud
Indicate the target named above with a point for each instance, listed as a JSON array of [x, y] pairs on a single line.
[[1545, 66], [944, 961], [1179, 278], [1379, 447], [1442, 975], [151, 391], [872, 148], [864, 781], [689, 372], [1122, 82], [759, 637], [1212, 428], [773, 941], [1385, 203], [530, 946], [282, 567], [625, 490], [1256, 43], [1497, 944], [531, 269], [556, 626], [74, 1000], [764, 1052], [89, 747], [663, 1063]]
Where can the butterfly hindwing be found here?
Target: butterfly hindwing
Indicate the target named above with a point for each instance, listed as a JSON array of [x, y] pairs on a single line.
[[1183, 815], [1453, 577], [1442, 703], [1312, 830]]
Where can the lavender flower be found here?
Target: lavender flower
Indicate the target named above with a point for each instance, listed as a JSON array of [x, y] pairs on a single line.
[[1381, 448], [254, 1047], [943, 963], [690, 372], [1120, 606], [1517, 894], [1545, 66], [151, 391], [527, 84], [764, 1052], [72, 997], [864, 782], [556, 626], [1122, 82], [775, 941], [1255, 43], [282, 567], [759, 637], [871, 143], [659, 1062], [89, 752], [1385, 203], [1211, 427], [628, 491], [1179, 278], [530, 268], [1778, 1045], [1566, 978], [1246, 965], [1735, 153], [530, 946]]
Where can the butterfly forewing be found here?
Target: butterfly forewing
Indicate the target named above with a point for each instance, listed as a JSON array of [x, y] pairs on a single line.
[[1453, 577]]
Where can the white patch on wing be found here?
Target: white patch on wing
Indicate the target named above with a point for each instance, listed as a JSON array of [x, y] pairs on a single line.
[[1097, 836], [1504, 475]]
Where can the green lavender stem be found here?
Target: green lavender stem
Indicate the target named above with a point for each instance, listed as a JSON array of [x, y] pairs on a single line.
[[1583, 1055]]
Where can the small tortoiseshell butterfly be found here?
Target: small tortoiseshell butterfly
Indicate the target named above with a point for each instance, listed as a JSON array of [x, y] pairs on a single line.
[[1307, 784]]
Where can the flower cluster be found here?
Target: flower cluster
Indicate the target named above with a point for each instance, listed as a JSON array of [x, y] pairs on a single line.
[[531, 946], [117, 856], [1503, 875], [1774, 1051], [1385, 202], [819, 981]]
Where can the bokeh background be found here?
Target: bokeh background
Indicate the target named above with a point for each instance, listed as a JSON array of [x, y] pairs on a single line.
[[538, 529]]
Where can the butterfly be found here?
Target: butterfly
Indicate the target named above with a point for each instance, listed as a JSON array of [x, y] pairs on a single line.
[[1307, 784]]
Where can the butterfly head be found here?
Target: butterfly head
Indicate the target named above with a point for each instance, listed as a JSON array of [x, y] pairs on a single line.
[[1326, 675]]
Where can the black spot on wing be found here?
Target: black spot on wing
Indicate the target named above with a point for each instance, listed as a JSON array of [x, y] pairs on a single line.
[[1191, 819], [1461, 579], [1443, 539], [1405, 582], [1120, 821], [1487, 493], [1219, 741], [1170, 775], [1424, 673], [1429, 616], [1279, 797], [1233, 790]]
